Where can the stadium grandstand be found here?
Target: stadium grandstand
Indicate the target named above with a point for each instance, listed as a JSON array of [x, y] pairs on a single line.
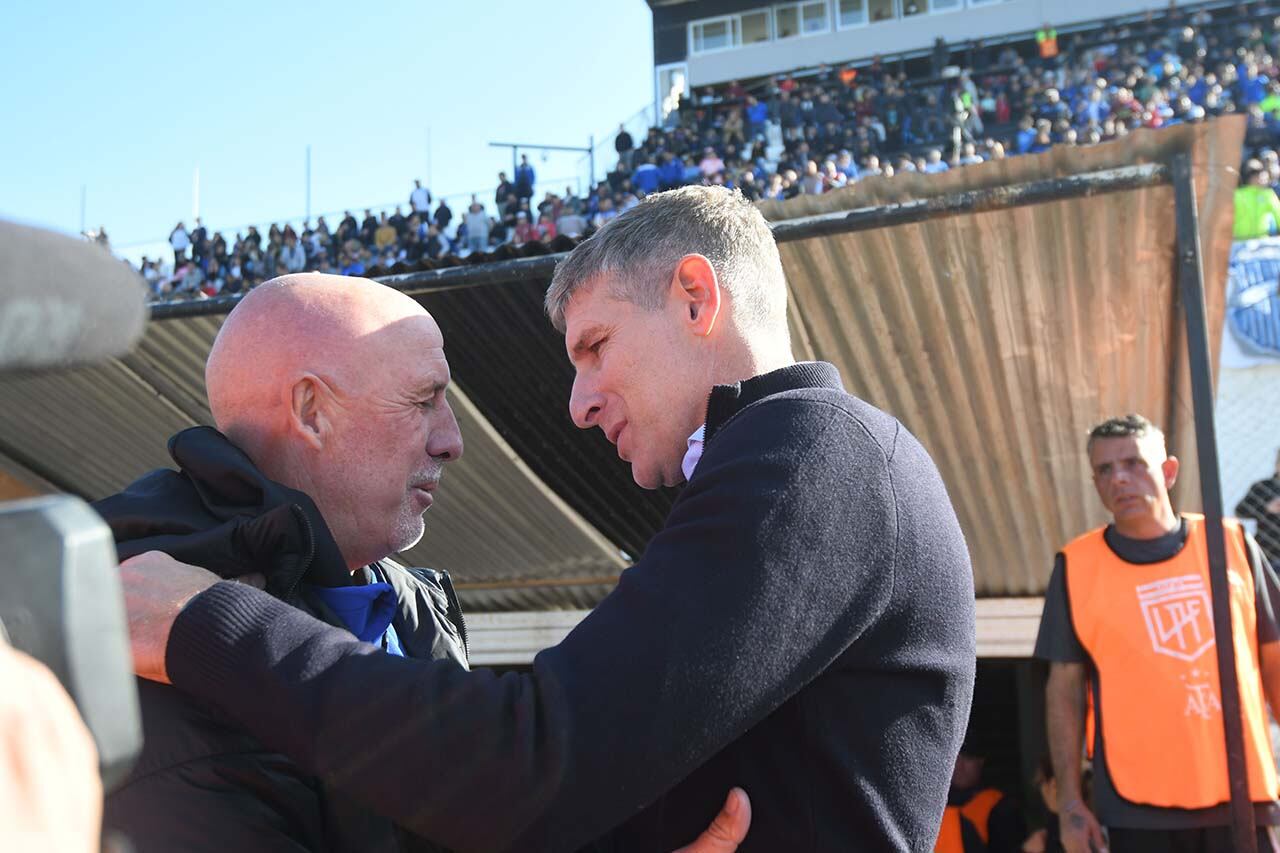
[[741, 100]]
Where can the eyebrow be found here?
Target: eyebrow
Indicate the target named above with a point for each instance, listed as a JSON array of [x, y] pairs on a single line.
[[580, 346], [429, 389]]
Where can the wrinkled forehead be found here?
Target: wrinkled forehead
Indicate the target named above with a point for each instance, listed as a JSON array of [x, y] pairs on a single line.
[[595, 306], [404, 352], [588, 301]]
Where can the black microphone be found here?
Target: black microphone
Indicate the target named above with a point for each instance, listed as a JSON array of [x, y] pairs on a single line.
[[64, 301]]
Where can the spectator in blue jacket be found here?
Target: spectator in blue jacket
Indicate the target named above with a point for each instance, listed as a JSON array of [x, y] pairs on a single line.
[[1095, 109], [1253, 86], [646, 177], [935, 164], [1026, 135], [757, 114], [671, 172], [826, 112], [525, 178], [1042, 142], [1053, 107]]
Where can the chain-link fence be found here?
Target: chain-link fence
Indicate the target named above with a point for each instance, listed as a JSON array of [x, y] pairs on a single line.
[[1248, 414]]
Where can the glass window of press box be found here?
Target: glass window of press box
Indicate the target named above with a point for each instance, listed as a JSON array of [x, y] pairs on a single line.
[[784, 21]]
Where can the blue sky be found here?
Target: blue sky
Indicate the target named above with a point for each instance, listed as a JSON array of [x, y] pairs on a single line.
[[129, 99]]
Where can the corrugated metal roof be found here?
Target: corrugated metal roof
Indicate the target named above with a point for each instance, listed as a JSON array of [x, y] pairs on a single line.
[[997, 338], [90, 430]]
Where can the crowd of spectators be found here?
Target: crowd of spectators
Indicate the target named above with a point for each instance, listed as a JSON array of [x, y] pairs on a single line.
[[207, 264], [798, 135], [811, 133]]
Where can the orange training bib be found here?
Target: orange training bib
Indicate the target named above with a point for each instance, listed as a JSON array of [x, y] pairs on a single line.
[[1149, 632]]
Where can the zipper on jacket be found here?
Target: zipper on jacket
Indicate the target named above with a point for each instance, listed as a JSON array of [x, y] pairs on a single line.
[[455, 610], [311, 552]]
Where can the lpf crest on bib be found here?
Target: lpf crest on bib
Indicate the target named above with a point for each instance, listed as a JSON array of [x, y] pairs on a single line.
[[1178, 616]]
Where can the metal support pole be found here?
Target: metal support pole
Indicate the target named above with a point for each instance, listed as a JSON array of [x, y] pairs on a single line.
[[1199, 362], [591, 148], [308, 184]]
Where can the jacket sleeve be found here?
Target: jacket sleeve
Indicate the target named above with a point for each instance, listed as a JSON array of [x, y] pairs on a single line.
[[235, 801], [777, 556], [1266, 591], [1251, 504]]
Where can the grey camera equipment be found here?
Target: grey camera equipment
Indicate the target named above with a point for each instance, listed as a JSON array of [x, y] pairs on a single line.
[[66, 302], [60, 602]]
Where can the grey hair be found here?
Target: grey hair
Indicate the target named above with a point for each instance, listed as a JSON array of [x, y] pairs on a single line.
[[1125, 426], [638, 252]]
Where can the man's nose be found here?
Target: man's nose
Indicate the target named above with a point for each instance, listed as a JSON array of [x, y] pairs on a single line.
[[445, 441], [585, 404]]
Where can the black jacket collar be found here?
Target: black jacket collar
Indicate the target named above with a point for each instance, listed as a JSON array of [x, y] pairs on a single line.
[[220, 512], [727, 400]]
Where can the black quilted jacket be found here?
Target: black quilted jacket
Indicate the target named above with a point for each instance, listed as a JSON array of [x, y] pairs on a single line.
[[203, 782]]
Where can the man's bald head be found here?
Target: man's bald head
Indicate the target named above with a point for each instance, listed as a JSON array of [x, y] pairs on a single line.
[[335, 386], [325, 324]]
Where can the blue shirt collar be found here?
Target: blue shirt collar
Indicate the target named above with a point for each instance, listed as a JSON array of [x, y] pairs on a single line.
[[366, 610]]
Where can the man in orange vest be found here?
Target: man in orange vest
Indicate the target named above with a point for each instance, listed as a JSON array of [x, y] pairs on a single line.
[[1128, 616], [978, 818], [1047, 42]]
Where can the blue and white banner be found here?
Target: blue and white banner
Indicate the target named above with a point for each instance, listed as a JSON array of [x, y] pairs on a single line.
[[1253, 299]]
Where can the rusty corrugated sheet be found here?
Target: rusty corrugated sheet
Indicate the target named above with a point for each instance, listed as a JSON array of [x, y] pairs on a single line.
[[1000, 338]]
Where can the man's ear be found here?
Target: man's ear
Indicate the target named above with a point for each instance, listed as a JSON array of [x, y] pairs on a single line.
[[1169, 468], [695, 288], [310, 401]]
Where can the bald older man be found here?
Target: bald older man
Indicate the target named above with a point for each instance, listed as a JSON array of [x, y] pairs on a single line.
[[334, 431]]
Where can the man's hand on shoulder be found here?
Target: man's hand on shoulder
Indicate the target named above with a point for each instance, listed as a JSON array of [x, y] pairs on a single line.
[[729, 828], [156, 588]]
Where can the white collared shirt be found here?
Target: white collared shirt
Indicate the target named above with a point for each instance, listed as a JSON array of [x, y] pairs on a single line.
[[694, 454]]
